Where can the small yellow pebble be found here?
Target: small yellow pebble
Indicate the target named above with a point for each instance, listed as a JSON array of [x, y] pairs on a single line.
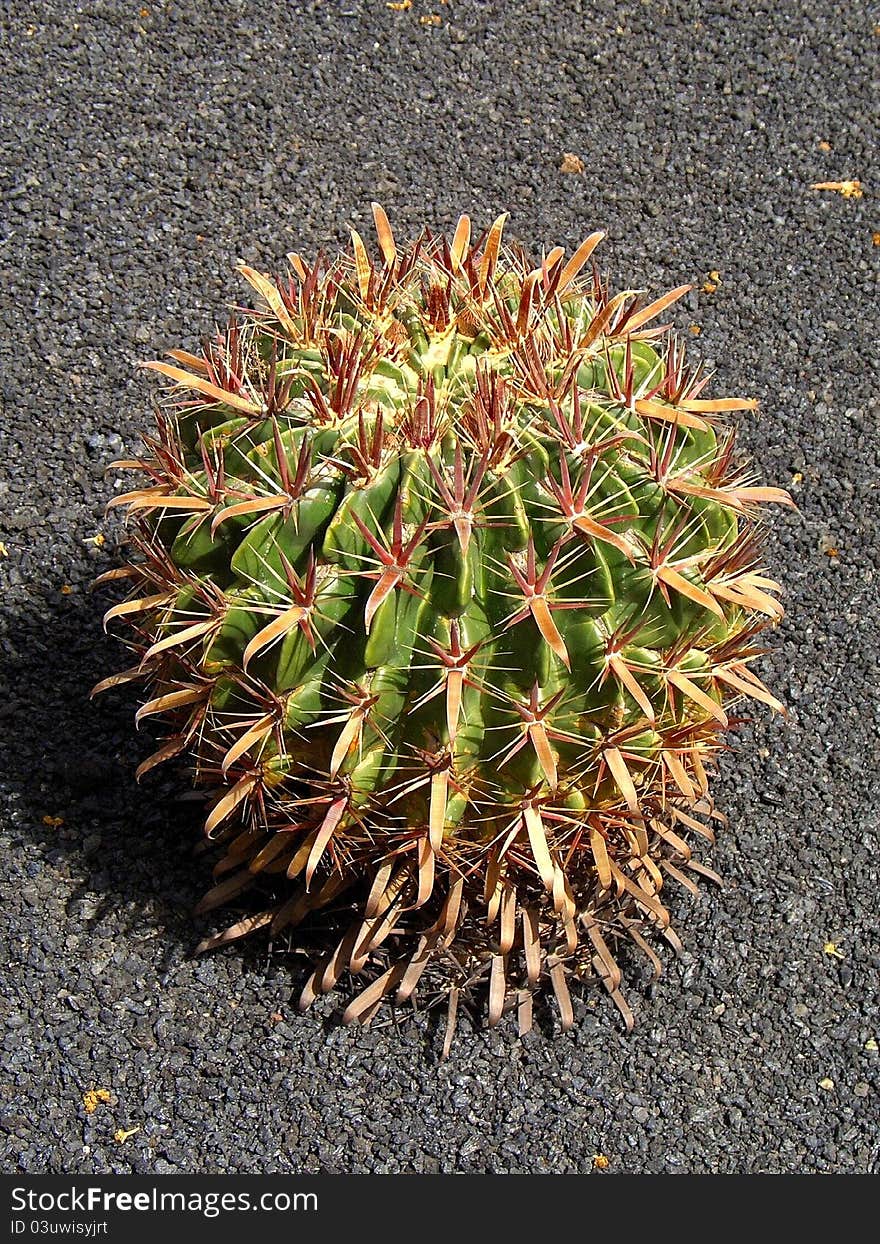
[[66, 590], [694, 330], [849, 189], [798, 477], [827, 1084], [94, 1098], [875, 238], [571, 163], [399, 6], [600, 1162], [430, 19], [99, 540], [824, 146], [4, 551], [832, 948], [871, 1045]]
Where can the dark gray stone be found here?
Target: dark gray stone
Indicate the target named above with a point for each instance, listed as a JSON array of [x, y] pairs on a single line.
[[142, 155]]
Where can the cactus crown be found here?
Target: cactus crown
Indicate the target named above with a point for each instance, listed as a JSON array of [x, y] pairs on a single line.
[[446, 578]]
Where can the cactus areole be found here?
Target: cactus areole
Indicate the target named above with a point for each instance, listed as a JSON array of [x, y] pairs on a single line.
[[446, 579]]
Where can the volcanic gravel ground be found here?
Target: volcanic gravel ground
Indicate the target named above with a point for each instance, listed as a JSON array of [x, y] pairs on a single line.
[[144, 149]]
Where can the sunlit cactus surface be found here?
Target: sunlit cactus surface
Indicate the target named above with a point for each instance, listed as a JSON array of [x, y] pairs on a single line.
[[445, 578]]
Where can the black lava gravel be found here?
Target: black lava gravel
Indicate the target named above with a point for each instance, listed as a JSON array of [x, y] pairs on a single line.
[[147, 147]]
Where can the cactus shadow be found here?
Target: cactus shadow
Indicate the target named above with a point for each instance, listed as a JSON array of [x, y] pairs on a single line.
[[69, 775]]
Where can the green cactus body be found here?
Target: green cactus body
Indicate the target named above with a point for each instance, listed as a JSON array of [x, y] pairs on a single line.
[[445, 577]]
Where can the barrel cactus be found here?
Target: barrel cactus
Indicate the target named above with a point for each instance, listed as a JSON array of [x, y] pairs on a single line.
[[446, 578]]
